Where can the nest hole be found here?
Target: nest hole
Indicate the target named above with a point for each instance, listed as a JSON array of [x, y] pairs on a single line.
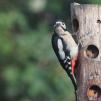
[[75, 25], [99, 21], [92, 51], [94, 92]]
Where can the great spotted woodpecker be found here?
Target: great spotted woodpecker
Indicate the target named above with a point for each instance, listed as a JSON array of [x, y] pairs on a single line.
[[65, 49]]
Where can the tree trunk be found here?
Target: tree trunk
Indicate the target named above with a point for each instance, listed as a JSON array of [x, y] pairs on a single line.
[[86, 20]]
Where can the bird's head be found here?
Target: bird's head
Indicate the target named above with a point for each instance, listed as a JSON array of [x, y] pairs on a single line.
[[59, 27]]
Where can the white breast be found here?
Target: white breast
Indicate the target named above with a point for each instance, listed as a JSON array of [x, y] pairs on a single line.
[[70, 43], [74, 51]]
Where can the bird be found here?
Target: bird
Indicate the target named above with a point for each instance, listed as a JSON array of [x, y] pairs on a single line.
[[65, 49]]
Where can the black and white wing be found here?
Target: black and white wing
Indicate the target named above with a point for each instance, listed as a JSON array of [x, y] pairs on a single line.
[[63, 56]]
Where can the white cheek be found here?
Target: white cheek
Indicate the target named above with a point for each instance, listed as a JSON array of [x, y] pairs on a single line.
[[64, 26]]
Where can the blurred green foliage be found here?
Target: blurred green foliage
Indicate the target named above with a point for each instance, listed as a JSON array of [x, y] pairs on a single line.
[[29, 68]]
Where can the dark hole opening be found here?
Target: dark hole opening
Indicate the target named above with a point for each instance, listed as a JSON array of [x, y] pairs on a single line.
[[98, 21], [94, 91], [92, 51], [75, 25]]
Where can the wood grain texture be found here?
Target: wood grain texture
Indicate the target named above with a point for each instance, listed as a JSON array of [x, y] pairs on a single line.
[[88, 33]]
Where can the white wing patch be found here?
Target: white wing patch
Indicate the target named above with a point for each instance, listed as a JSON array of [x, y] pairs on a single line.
[[60, 47]]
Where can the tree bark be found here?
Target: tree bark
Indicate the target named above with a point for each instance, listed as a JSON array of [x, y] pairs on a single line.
[[86, 21]]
